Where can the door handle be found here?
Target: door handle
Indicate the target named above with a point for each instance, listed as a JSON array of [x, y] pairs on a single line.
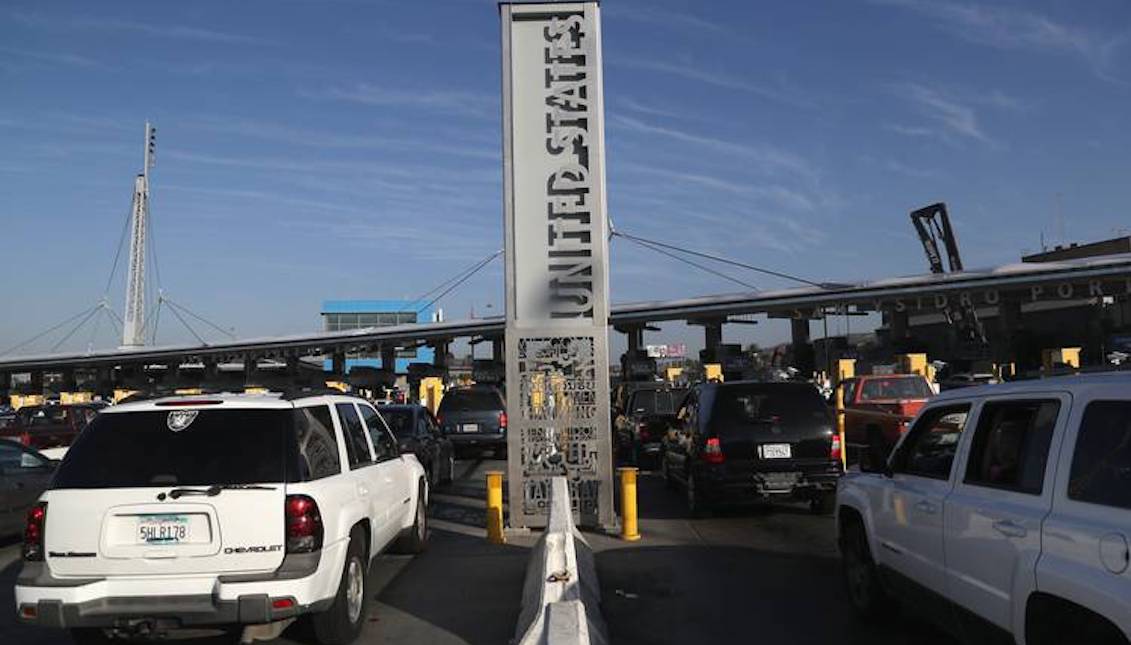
[[1010, 529], [926, 507]]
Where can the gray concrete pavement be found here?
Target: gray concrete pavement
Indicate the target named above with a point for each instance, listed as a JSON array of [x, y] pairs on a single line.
[[766, 576]]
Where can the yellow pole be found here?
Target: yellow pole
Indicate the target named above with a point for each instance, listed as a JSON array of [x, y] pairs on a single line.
[[839, 393], [495, 507], [628, 527]]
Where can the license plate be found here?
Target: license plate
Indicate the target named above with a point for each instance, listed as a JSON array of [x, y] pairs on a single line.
[[776, 451], [469, 427], [163, 529]]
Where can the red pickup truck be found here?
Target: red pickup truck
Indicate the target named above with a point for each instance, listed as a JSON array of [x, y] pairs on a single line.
[[878, 409], [50, 426]]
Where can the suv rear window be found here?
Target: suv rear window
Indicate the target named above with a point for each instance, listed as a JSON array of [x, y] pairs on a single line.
[[471, 400], [400, 421], [738, 407], [656, 401], [138, 449], [1101, 466]]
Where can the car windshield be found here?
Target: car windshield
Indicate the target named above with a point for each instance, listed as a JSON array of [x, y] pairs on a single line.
[[179, 448], [895, 388], [471, 400], [656, 401], [399, 420], [740, 408], [41, 416]]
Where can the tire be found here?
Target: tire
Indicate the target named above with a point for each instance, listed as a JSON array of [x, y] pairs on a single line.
[[90, 636], [342, 622], [858, 569], [434, 472], [823, 504], [415, 539], [451, 476]]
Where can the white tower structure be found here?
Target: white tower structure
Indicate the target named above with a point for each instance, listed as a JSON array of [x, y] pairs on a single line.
[[133, 329]]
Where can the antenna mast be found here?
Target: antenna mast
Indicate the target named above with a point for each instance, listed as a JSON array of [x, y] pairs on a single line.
[[133, 329]]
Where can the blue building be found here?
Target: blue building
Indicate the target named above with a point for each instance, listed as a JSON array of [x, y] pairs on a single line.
[[343, 315]]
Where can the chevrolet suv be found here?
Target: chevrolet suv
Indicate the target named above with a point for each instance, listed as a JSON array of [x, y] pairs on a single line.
[[1003, 514], [220, 510]]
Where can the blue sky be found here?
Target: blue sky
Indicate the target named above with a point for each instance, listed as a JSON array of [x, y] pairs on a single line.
[[314, 150]]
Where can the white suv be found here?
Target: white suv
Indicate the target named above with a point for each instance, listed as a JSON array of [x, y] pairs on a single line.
[[1004, 512], [220, 510]]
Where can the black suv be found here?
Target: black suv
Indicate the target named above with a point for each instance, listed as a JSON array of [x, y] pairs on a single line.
[[745, 442], [648, 415], [474, 418]]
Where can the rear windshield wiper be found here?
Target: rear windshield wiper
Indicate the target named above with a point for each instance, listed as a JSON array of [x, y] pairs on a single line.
[[213, 491]]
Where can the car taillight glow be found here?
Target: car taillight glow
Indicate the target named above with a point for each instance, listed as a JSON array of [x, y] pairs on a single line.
[[304, 525], [503, 420], [834, 450], [282, 603], [642, 430], [25, 439], [713, 451], [33, 533]]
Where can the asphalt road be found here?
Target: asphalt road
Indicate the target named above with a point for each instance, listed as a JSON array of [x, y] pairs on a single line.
[[756, 575]]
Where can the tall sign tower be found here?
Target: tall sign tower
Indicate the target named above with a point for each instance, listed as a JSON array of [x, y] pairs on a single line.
[[133, 329], [557, 286]]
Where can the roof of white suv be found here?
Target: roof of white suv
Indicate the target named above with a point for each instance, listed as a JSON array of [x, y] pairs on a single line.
[[1067, 382], [230, 400]]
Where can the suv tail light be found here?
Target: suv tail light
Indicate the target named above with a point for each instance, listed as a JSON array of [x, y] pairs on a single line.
[[834, 450], [502, 420], [33, 533], [25, 439], [304, 525], [642, 430], [713, 451]]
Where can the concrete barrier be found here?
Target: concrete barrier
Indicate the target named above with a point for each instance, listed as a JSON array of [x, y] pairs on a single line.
[[561, 597]]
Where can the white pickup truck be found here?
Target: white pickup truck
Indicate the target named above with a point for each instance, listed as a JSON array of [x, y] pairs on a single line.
[[1004, 513], [220, 510]]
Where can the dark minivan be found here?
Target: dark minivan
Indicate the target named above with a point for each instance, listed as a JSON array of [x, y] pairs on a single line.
[[474, 417], [747, 442]]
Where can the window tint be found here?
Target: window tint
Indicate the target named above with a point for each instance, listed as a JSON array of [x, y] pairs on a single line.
[[384, 446], [133, 449], [1101, 465], [931, 444], [740, 410], [656, 401], [471, 400], [357, 446], [13, 459], [898, 387], [317, 446], [1011, 445], [399, 420]]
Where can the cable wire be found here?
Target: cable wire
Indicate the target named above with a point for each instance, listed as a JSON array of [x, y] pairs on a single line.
[[465, 278], [452, 279], [200, 318], [717, 258], [121, 243], [694, 264], [76, 328], [187, 326], [48, 331]]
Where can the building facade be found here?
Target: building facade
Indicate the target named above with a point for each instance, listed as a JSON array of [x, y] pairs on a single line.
[[344, 315]]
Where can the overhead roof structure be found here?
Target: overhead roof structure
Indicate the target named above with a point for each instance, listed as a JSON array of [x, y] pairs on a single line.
[[1090, 277]]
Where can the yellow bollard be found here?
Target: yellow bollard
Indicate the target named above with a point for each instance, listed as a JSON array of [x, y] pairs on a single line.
[[628, 528], [495, 507]]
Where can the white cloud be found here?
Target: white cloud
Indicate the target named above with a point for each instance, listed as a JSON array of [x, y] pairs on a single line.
[[767, 158], [1010, 28], [778, 93], [179, 32], [446, 101], [56, 58], [956, 118], [650, 14]]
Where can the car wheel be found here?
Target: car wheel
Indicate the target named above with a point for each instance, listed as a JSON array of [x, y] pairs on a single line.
[[434, 472], [342, 622], [859, 571], [451, 477], [823, 504], [416, 538]]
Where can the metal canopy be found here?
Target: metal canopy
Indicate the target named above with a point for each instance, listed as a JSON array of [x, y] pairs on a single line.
[[1113, 273]]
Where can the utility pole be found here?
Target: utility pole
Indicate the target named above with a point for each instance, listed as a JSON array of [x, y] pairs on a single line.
[[133, 329]]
